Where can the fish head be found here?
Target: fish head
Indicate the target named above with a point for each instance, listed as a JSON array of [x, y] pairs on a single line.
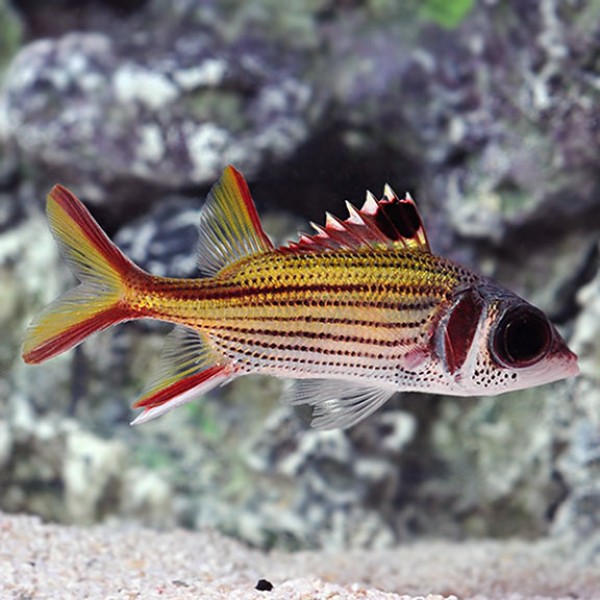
[[492, 341]]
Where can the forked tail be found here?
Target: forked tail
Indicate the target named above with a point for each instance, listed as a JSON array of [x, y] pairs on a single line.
[[102, 269], [110, 287]]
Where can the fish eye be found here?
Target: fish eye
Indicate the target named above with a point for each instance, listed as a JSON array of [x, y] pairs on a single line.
[[522, 337]]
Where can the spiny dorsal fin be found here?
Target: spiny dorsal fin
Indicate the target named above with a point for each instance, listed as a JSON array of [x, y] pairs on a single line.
[[229, 225], [389, 221]]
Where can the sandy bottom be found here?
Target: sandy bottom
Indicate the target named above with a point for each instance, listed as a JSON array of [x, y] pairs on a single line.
[[50, 561]]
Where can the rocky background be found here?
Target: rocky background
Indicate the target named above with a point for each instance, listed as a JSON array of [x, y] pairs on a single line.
[[487, 112]]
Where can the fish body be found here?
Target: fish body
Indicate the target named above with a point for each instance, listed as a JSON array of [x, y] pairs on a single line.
[[354, 313]]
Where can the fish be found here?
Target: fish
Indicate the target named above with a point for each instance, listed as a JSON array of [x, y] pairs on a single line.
[[350, 314]]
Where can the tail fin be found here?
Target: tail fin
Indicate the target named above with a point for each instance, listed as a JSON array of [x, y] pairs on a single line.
[[101, 267]]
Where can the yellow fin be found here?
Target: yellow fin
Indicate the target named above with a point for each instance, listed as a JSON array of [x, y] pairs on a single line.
[[229, 225], [99, 265]]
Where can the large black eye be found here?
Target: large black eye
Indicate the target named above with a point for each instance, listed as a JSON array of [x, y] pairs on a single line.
[[522, 337]]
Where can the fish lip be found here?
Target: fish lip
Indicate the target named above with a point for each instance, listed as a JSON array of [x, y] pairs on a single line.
[[575, 371], [568, 360], [562, 365], [573, 364]]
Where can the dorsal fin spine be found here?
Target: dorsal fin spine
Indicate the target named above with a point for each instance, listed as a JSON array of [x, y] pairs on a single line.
[[388, 222], [332, 222], [355, 216], [388, 192], [370, 205]]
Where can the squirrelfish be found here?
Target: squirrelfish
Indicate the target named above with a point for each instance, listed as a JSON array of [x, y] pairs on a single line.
[[353, 313]]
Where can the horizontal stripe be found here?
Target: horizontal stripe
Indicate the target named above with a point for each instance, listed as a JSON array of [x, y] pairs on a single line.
[[246, 346], [310, 309], [250, 334], [288, 364], [329, 320], [182, 291], [317, 359]]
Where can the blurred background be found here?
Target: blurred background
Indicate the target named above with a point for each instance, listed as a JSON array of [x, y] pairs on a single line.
[[487, 112]]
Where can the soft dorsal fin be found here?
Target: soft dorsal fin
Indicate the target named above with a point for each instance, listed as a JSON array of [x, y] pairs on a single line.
[[229, 225], [389, 221]]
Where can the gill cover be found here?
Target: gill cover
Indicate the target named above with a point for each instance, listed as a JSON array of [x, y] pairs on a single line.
[[459, 329]]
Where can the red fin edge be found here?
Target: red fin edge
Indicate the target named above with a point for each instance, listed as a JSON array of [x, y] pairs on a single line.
[[102, 269], [244, 191], [180, 387], [74, 335], [74, 208]]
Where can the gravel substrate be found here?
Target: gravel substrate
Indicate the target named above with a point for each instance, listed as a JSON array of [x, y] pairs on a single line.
[[39, 561]]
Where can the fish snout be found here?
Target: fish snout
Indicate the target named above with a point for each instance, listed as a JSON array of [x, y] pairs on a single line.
[[563, 357]]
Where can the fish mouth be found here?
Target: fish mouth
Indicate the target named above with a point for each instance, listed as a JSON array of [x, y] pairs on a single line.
[[564, 359], [573, 365], [560, 363], [562, 366]]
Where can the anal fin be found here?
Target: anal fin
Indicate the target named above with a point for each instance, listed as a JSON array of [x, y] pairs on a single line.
[[337, 403], [188, 368]]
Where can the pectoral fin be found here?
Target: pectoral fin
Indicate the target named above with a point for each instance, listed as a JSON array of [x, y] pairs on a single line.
[[337, 403]]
